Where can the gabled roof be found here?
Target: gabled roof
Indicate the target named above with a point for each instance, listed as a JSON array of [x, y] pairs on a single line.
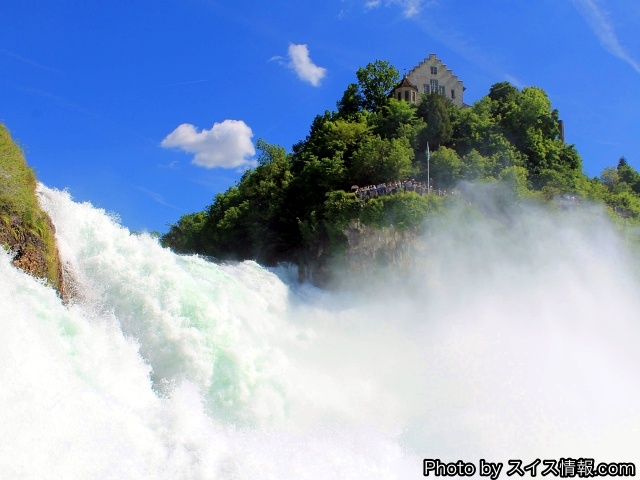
[[432, 57], [406, 83]]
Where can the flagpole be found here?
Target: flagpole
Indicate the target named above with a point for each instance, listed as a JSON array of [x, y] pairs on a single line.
[[428, 173]]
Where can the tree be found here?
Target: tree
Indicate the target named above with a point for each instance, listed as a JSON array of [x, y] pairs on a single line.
[[629, 175], [474, 166], [502, 93], [525, 118], [622, 162], [472, 128], [375, 83], [330, 137], [340, 208], [351, 101], [185, 236], [446, 167], [515, 178], [250, 220], [435, 110], [397, 119], [271, 154], [609, 177], [381, 160], [624, 178]]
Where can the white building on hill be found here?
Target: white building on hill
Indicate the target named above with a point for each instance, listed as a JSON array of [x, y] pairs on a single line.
[[430, 76]]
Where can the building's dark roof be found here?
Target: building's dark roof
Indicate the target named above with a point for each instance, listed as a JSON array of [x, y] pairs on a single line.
[[406, 83]]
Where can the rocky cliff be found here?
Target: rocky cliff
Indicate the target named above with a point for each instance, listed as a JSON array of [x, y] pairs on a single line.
[[370, 254], [369, 247], [25, 229]]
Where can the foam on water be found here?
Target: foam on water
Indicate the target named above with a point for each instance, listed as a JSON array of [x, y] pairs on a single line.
[[500, 342]]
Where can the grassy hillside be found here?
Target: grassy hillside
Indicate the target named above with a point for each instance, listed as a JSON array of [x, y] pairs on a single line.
[[24, 228]]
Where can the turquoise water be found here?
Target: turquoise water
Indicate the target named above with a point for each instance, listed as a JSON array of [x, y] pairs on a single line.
[[499, 343]]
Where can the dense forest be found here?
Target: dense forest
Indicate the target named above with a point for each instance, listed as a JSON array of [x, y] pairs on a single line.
[[296, 205]]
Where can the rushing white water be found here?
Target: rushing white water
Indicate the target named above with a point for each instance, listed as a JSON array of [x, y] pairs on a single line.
[[501, 343]]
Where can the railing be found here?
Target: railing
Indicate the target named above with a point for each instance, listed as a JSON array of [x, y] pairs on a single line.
[[372, 191]]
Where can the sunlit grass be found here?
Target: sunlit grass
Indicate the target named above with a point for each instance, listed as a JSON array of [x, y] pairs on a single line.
[[21, 219]]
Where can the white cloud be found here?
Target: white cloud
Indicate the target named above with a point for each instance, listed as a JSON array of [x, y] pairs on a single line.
[[409, 8], [226, 145], [300, 62], [599, 22]]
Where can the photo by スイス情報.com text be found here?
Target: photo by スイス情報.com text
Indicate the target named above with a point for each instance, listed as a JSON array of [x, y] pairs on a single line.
[[563, 468]]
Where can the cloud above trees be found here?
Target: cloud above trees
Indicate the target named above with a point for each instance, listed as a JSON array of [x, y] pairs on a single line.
[[226, 145], [300, 62]]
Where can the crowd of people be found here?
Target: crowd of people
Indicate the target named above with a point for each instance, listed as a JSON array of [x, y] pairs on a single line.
[[389, 188]]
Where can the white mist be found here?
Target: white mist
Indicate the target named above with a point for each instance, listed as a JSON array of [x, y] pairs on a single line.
[[509, 338]]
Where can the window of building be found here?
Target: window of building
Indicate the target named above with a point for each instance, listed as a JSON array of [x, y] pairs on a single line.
[[425, 88], [413, 96], [406, 95], [434, 86], [434, 70], [399, 95], [453, 93], [441, 91]]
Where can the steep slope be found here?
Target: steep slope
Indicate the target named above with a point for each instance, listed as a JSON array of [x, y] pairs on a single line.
[[24, 228]]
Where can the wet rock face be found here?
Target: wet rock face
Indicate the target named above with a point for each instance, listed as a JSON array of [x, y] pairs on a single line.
[[28, 249], [379, 244], [371, 250], [367, 250], [30, 258], [30, 253]]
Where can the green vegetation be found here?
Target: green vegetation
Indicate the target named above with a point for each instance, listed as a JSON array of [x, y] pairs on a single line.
[[295, 206], [24, 227]]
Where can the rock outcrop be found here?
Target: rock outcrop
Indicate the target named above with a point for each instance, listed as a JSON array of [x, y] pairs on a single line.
[[369, 246], [25, 229], [368, 252]]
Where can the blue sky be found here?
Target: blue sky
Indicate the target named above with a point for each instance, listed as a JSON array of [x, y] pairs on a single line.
[[148, 109]]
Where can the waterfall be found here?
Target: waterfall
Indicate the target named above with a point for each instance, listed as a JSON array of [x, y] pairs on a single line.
[[507, 340]]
